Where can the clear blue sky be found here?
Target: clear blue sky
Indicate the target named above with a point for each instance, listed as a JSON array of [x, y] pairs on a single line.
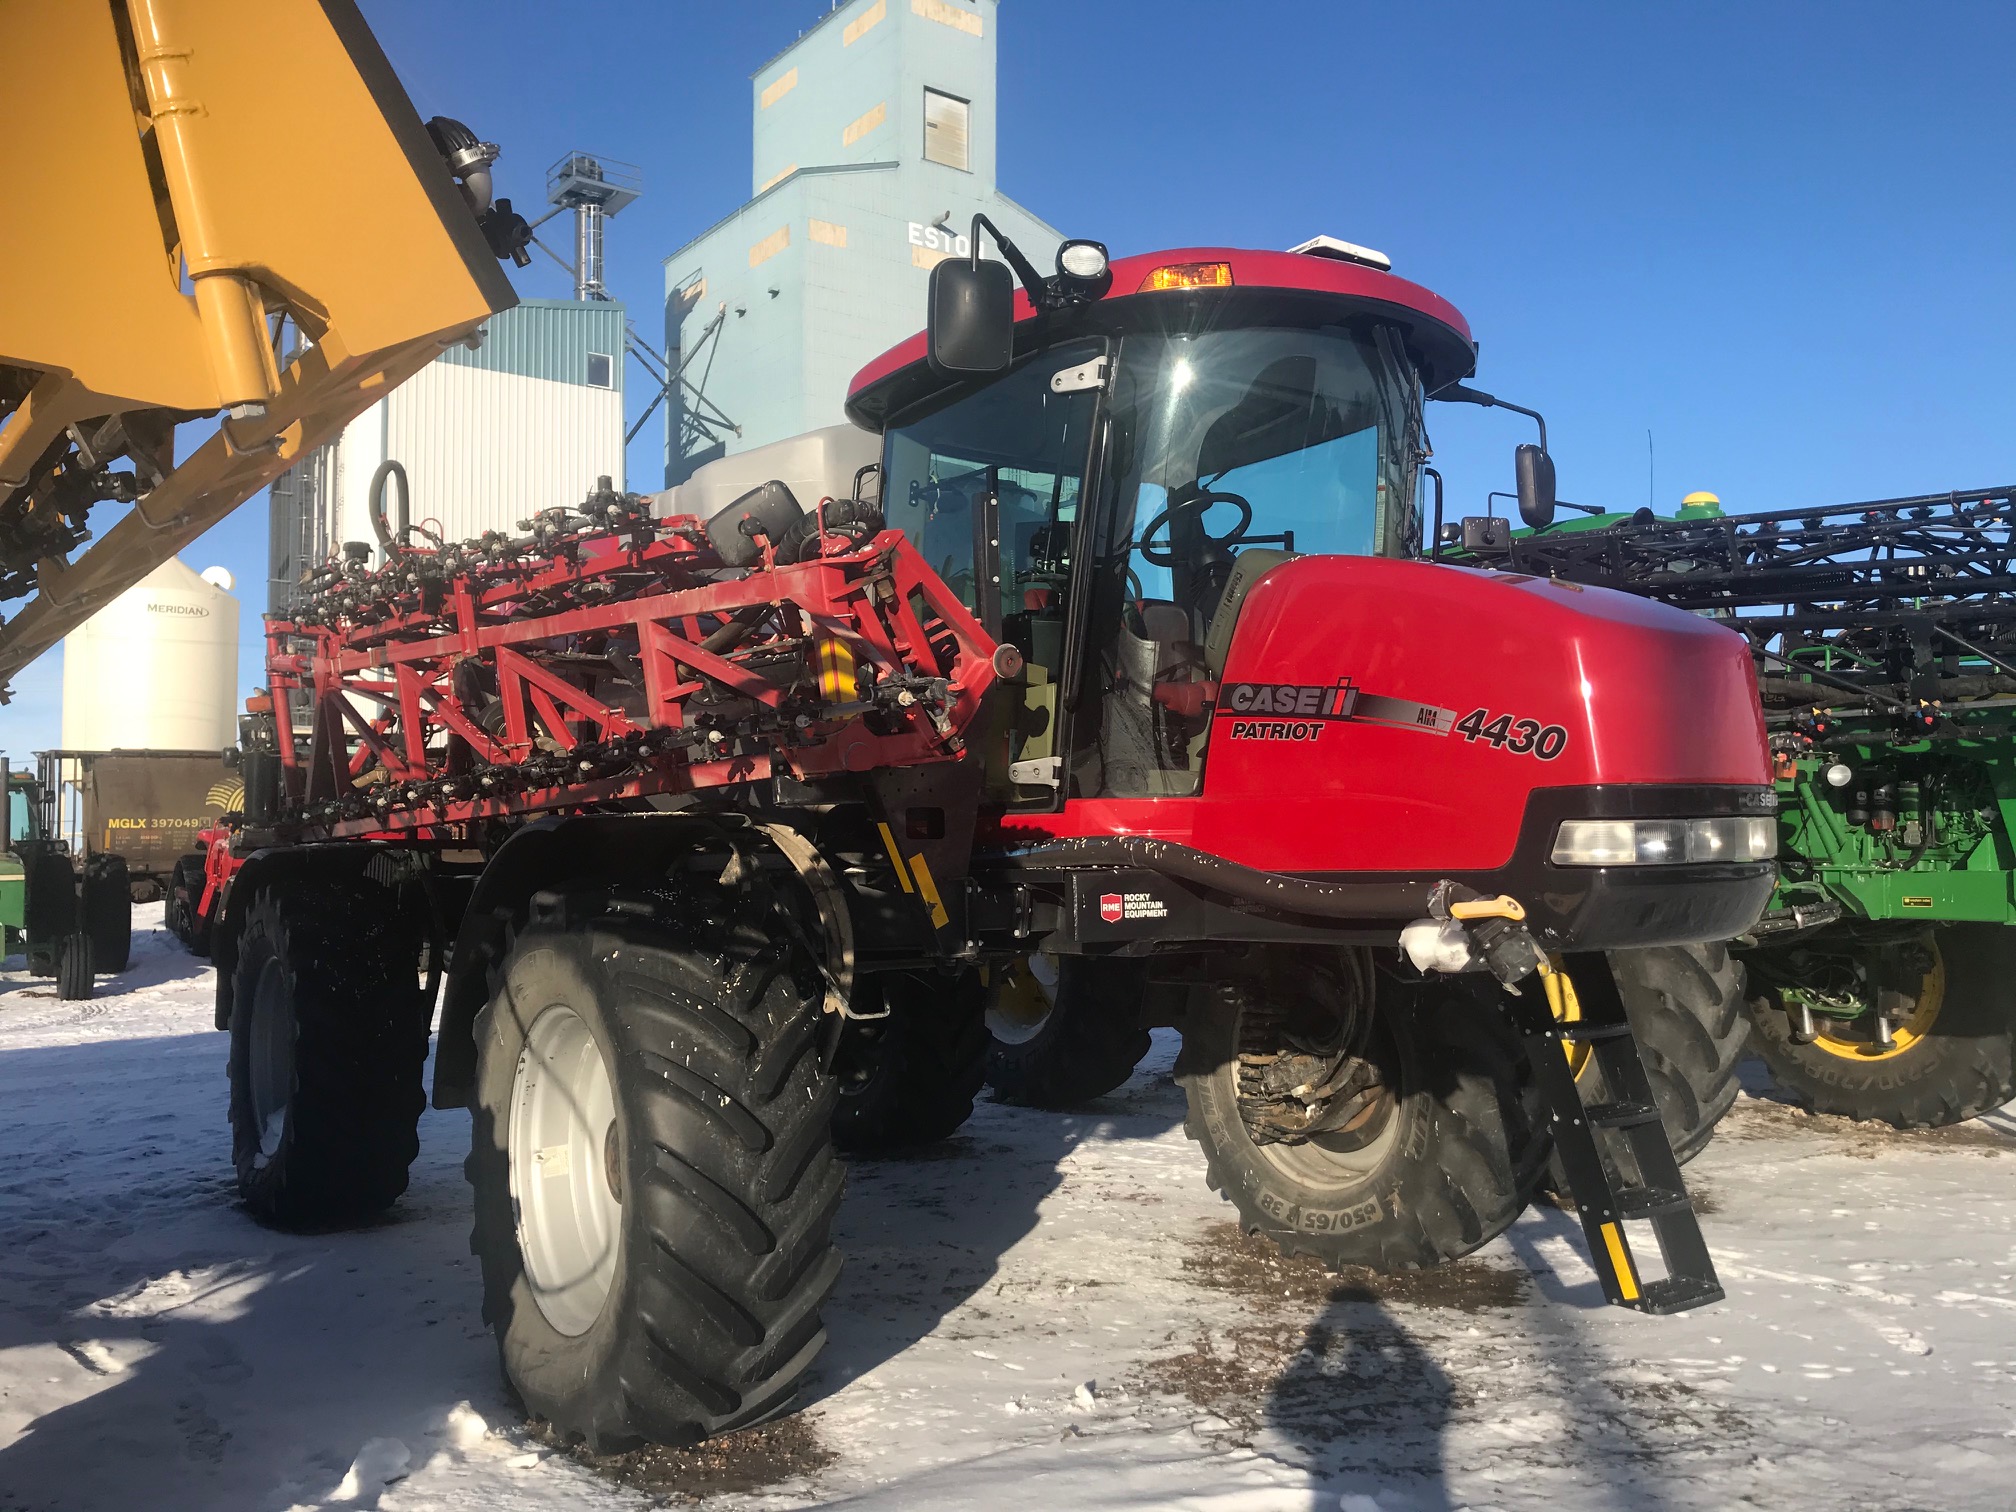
[[1780, 237]]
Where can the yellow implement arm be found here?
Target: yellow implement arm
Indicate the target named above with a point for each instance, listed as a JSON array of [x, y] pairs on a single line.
[[179, 178]]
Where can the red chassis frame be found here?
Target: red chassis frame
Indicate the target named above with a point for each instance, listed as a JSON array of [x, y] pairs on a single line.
[[858, 658]]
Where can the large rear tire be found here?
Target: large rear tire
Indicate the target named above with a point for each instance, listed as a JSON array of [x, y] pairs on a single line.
[[184, 899], [1953, 1059], [653, 1169], [1443, 1161], [73, 966], [328, 1039], [108, 914], [910, 1079], [1686, 1007], [1066, 1030]]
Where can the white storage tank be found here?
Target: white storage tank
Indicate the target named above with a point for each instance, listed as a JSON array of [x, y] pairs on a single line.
[[157, 668]]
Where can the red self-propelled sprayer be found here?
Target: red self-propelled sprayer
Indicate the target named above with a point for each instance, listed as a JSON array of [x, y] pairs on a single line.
[[1113, 697]]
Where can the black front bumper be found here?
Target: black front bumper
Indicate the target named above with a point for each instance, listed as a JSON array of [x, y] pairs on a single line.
[[1157, 897], [1619, 907]]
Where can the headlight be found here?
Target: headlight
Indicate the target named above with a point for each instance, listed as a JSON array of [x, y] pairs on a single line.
[[1082, 259], [1663, 842]]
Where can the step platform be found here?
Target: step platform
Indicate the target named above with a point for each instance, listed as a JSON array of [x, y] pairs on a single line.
[[1613, 1149]]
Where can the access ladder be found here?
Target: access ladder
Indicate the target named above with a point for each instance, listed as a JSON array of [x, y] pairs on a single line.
[[1612, 1147]]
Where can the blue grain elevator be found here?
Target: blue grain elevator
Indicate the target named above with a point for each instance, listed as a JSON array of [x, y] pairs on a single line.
[[874, 146]]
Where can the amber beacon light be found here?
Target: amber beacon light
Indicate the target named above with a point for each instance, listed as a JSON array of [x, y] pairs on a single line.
[[1200, 275]]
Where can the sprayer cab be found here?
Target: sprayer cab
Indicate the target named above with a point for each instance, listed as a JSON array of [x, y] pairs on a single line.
[[1187, 494]]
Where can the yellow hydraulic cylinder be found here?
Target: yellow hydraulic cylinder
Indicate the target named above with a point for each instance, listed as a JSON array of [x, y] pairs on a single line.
[[180, 175], [227, 302]]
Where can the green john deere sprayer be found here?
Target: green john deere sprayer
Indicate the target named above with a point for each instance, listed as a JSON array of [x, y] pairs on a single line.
[[1883, 977], [70, 913]]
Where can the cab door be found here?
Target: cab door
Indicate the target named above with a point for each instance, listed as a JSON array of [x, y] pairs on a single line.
[[989, 487]]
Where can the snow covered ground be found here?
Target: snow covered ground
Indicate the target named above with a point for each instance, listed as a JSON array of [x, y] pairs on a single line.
[[1046, 1311]]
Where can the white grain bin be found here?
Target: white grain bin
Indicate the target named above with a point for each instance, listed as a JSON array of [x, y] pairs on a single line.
[[157, 668]]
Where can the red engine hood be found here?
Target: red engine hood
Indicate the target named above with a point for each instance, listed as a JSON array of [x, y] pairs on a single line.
[[1382, 716]]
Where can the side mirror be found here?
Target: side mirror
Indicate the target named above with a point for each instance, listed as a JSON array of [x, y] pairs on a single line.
[[971, 329], [1535, 471]]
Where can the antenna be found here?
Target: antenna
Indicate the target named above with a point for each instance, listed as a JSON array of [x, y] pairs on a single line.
[[1651, 472], [593, 188]]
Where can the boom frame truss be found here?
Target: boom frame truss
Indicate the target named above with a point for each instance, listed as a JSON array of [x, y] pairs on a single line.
[[1897, 614], [615, 666]]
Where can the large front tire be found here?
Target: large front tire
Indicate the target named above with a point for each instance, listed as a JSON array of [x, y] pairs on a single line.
[[108, 914], [910, 1078], [73, 966], [1449, 1160], [1066, 1030], [653, 1169], [328, 1040], [1954, 1059]]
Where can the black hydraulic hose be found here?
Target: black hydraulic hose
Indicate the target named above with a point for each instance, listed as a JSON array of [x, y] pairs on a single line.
[[1833, 682], [1969, 646], [391, 543], [1396, 901], [732, 634]]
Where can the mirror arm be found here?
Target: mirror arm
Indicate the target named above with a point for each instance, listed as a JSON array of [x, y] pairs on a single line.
[[1462, 394], [1534, 415], [1037, 285]]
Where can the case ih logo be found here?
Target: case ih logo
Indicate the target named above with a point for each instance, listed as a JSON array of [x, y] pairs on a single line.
[[1112, 907], [1301, 711]]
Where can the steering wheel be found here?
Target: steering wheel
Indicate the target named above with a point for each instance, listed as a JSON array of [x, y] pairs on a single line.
[[1200, 503]]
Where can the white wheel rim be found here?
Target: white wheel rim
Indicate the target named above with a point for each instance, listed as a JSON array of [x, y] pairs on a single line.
[[1325, 1162], [565, 1155], [270, 1061], [1008, 1017]]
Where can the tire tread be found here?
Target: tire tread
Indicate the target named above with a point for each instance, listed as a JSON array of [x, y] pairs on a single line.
[[361, 1029], [731, 1186]]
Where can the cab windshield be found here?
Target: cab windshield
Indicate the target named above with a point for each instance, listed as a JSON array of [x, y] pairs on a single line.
[[1223, 451], [1232, 449], [1293, 439]]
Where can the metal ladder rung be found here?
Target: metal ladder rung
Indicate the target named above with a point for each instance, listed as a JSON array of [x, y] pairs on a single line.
[[1651, 1202], [1622, 1115], [1677, 1294], [1588, 1034]]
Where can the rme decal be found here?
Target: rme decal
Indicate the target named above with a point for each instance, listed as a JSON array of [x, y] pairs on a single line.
[[1116, 908], [1299, 711]]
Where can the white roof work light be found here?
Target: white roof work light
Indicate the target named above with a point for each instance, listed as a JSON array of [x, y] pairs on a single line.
[[1343, 251]]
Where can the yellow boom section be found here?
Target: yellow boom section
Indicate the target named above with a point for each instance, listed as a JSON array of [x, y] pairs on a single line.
[[179, 175]]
